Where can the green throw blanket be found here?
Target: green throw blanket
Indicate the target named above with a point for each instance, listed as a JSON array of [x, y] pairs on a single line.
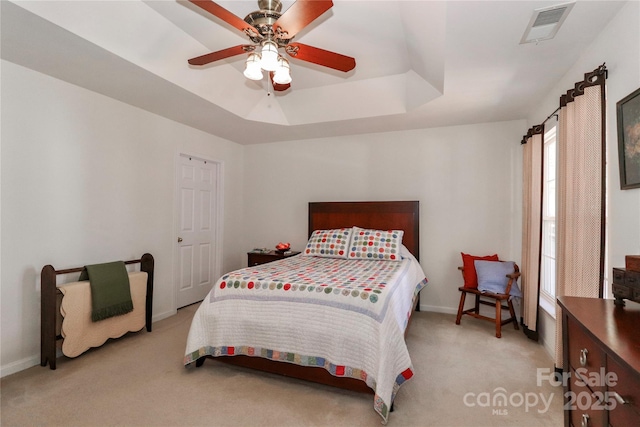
[[110, 291]]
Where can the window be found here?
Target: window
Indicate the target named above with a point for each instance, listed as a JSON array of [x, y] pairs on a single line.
[[548, 261]]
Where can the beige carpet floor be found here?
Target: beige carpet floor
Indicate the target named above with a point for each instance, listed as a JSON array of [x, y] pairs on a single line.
[[139, 380]]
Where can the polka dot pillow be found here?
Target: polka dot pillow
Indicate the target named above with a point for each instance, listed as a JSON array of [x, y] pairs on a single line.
[[329, 243], [376, 244]]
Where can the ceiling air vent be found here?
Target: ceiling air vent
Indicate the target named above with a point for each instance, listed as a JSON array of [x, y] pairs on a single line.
[[545, 23]]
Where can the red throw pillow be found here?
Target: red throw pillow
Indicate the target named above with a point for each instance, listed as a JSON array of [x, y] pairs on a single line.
[[469, 273]]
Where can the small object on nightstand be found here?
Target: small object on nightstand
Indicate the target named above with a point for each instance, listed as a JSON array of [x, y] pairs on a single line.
[[260, 251], [283, 247]]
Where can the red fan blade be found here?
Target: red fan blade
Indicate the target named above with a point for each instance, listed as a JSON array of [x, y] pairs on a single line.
[[226, 16], [321, 57], [221, 54], [298, 16], [277, 86]]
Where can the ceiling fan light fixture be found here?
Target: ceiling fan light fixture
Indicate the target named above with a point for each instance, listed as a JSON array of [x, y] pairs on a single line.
[[282, 75], [252, 70], [269, 61]]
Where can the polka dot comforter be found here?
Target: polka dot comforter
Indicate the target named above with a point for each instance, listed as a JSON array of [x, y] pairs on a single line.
[[347, 316]]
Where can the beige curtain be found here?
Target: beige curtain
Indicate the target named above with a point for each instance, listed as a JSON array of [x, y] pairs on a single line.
[[532, 159], [581, 194]]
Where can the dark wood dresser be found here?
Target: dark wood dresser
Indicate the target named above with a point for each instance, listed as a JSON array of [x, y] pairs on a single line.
[[601, 345]]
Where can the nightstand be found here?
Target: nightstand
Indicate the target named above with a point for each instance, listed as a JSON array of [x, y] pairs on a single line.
[[256, 258]]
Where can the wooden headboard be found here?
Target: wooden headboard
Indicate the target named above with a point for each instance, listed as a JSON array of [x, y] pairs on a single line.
[[403, 215]]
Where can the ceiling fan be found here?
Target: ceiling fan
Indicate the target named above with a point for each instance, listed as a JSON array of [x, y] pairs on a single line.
[[269, 30]]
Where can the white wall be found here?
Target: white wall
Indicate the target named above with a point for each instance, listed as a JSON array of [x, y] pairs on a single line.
[[466, 178], [619, 47], [87, 179]]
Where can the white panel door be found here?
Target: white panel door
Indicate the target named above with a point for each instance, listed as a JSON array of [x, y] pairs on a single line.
[[197, 209]]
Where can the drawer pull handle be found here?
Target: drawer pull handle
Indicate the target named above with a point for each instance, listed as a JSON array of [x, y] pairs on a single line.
[[621, 400], [583, 357], [585, 420]]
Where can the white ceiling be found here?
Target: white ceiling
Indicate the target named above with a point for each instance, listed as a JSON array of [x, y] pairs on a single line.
[[420, 64]]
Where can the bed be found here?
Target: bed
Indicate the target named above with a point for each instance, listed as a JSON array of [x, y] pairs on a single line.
[[325, 315]]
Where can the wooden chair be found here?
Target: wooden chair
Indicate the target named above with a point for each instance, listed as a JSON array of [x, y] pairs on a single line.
[[495, 299]]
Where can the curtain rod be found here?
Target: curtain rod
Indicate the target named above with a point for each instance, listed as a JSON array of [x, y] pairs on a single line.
[[538, 128], [591, 78], [554, 114]]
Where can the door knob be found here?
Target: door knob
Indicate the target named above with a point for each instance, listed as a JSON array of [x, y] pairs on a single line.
[[179, 239]]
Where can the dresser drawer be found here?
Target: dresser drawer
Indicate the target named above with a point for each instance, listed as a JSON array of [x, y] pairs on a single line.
[[257, 259], [584, 354], [627, 414], [618, 276], [621, 291], [587, 407], [632, 279]]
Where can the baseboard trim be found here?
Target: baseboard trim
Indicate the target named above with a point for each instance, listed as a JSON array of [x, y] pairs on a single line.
[[19, 365], [438, 309], [158, 317], [28, 362]]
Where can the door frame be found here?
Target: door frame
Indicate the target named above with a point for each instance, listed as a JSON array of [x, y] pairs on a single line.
[[218, 224]]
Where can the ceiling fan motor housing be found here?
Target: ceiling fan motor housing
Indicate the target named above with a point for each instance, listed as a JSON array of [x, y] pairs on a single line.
[[272, 5], [262, 20]]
